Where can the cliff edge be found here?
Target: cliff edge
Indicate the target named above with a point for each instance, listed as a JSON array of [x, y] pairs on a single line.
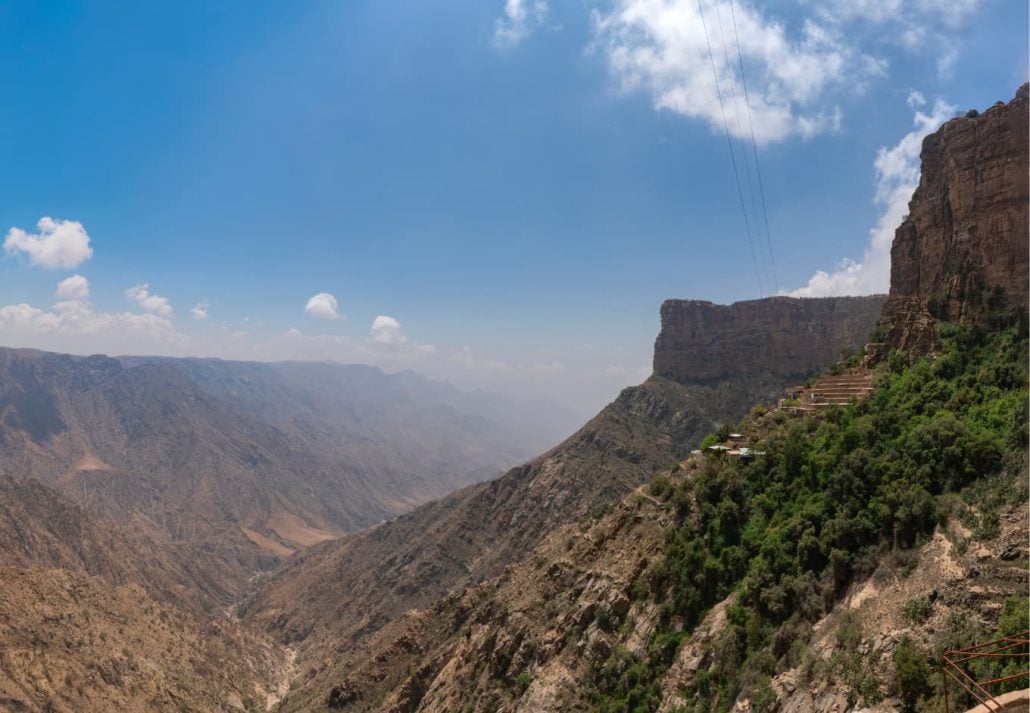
[[962, 252], [784, 337]]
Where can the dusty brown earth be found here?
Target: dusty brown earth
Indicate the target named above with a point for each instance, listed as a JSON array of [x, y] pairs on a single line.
[[70, 643]]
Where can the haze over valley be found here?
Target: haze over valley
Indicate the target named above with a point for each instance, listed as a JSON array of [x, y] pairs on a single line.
[[643, 356]]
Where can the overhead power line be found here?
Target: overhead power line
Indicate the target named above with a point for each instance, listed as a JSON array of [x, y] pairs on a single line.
[[754, 147], [729, 143], [733, 96]]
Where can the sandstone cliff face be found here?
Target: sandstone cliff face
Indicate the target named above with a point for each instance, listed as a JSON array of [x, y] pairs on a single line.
[[964, 247], [784, 337]]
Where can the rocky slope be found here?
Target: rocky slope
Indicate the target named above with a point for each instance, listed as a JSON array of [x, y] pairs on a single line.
[[591, 617], [956, 583], [467, 651], [336, 595], [964, 246], [702, 342], [584, 624], [70, 643], [39, 527], [250, 461]]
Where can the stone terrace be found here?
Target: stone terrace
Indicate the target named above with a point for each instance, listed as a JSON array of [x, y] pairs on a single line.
[[830, 390]]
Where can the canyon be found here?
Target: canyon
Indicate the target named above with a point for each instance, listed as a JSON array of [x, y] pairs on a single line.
[[188, 534]]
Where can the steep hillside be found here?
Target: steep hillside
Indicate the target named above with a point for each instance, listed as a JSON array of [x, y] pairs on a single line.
[[41, 528], [964, 248], [814, 577], [335, 595], [250, 461], [70, 643], [770, 582]]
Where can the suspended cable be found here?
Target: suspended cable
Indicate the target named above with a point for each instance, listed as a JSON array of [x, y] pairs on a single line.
[[754, 147], [729, 143], [733, 97]]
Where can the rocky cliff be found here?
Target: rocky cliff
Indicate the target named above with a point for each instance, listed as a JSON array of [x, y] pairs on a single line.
[[522, 595], [338, 596], [783, 337], [962, 252]]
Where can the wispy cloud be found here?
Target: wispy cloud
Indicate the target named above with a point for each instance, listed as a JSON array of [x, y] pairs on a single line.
[[919, 27], [520, 19], [662, 47], [797, 71], [149, 302], [73, 323], [897, 175], [199, 310]]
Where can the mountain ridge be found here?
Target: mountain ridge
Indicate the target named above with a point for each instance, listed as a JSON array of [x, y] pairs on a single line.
[[249, 461], [474, 534], [551, 632]]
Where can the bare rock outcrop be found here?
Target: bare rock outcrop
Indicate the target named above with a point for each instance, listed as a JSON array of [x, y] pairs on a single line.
[[702, 342], [962, 252]]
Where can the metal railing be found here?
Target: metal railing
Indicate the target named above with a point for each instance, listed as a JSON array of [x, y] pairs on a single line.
[[954, 671]]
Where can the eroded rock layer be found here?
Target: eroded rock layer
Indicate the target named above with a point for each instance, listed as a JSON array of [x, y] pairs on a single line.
[[785, 337], [962, 252]]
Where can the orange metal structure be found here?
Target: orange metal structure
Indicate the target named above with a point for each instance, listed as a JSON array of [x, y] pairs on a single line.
[[953, 670]]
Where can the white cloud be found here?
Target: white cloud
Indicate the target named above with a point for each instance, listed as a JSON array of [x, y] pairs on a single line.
[[74, 288], [520, 19], [900, 15], [59, 244], [951, 12], [73, 317], [322, 306], [72, 324], [921, 27], [946, 61], [660, 46], [386, 330], [155, 304], [897, 175], [199, 310], [797, 70]]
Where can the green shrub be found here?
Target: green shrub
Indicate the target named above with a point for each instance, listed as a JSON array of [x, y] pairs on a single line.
[[661, 487], [836, 492], [604, 619], [1015, 616], [917, 610], [522, 682], [911, 672]]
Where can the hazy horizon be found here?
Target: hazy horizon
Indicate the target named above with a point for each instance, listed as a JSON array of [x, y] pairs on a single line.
[[499, 195]]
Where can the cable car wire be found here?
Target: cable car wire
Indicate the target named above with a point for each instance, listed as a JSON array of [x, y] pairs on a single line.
[[729, 143]]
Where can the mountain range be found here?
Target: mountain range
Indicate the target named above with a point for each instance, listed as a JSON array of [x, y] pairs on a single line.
[[191, 534]]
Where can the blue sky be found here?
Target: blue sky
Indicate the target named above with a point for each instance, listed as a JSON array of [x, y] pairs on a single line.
[[496, 193]]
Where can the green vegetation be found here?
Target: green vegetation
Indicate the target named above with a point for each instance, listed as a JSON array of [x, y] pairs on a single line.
[[788, 532], [912, 673], [522, 682], [917, 610]]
